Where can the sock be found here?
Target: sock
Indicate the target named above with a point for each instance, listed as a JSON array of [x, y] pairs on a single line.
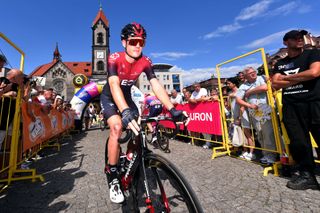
[[113, 172]]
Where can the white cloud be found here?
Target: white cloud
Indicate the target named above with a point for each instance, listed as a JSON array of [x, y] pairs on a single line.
[[261, 9], [200, 74], [194, 75], [231, 71], [262, 42], [254, 10], [220, 31], [304, 9], [171, 56], [284, 9]]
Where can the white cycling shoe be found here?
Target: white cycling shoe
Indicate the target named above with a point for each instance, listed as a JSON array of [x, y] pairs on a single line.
[[116, 195]]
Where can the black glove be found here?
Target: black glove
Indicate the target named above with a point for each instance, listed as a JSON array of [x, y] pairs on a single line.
[[177, 115], [127, 116]]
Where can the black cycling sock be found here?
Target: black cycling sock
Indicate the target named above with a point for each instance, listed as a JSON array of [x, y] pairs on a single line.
[[113, 172], [154, 134]]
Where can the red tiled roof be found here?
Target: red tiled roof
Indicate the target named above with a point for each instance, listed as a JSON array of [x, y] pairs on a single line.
[[101, 16], [75, 67]]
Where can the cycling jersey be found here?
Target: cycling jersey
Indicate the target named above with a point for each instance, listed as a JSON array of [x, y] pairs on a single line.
[[154, 105], [128, 74]]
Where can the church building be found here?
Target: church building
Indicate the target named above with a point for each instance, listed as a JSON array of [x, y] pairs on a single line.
[[59, 74]]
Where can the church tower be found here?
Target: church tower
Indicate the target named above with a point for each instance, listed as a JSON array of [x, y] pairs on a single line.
[[100, 46]]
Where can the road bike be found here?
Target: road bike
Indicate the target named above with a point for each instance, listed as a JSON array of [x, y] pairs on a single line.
[[163, 135], [150, 182]]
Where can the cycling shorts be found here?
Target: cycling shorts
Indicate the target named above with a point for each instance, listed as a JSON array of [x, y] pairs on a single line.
[[155, 110], [110, 108]]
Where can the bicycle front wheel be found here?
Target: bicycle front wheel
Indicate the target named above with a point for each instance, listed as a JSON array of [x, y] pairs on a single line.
[[168, 189]]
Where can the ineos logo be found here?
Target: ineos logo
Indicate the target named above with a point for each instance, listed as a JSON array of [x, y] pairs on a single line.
[[127, 82]]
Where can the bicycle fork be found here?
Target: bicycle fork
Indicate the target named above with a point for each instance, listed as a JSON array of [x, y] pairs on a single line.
[[146, 185]]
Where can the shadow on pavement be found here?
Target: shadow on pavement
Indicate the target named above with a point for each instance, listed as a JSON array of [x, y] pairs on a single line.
[[60, 170]]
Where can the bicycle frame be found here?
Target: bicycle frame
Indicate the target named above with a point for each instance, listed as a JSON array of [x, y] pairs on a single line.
[[127, 179]]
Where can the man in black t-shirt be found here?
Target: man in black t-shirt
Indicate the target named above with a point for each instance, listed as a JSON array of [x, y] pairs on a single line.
[[299, 76]]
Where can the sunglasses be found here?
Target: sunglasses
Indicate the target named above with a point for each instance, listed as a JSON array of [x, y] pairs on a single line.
[[134, 42]]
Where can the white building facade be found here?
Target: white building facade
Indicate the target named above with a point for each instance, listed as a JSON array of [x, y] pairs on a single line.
[[169, 80]]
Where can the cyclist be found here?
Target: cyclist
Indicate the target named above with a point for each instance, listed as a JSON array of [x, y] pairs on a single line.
[[154, 105], [124, 68]]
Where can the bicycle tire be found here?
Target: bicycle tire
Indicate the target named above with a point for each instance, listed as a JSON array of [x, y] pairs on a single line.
[[162, 139], [125, 136], [171, 133], [179, 194], [148, 134]]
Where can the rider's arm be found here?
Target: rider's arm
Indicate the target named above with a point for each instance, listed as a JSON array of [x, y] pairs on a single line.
[[117, 93], [161, 93]]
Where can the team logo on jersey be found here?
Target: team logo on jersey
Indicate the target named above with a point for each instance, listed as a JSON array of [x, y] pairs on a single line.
[[148, 59], [127, 82], [114, 56], [291, 72]]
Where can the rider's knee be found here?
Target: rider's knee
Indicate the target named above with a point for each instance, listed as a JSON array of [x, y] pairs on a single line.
[[115, 130]]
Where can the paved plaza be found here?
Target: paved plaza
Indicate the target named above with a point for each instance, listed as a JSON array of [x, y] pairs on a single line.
[[75, 182]]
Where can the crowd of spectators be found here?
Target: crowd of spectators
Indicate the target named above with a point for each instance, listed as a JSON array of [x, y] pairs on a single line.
[[31, 93]]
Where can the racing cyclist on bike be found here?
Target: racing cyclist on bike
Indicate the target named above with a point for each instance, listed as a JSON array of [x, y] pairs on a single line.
[[153, 104], [124, 68]]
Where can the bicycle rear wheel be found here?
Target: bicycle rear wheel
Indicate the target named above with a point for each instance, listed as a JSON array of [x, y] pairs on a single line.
[[148, 133], [169, 190], [162, 139]]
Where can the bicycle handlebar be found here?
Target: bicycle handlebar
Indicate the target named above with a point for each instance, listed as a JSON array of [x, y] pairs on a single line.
[[149, 120]]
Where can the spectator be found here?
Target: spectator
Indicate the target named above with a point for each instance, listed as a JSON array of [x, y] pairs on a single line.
[[58, 103], [232, 84], [92, 115], [86, 116], [5, 86], [252, 95], [175, 97], [45, 97], [54, 95], [213, 95], [184, 90], [241, 78], [9, 88], [298, 75], [3, 62], [199, 94], [33, 95], [187, 96]]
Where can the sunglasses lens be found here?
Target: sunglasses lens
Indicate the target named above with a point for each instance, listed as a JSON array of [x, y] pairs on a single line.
[[134, 42]]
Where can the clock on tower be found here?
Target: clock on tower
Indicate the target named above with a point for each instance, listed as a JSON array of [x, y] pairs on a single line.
[[100, 46]]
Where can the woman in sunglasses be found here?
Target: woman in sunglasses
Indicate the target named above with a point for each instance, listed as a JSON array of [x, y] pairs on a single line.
[[124, 68]]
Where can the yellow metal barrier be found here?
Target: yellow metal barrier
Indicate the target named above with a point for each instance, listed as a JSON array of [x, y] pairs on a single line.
[[14, 147], [225, 148]]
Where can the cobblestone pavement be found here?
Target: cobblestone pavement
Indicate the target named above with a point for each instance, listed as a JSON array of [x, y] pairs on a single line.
[[75, 182]]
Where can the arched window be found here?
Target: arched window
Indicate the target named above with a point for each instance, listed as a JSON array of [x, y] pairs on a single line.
[[100, 65], [100, 38]]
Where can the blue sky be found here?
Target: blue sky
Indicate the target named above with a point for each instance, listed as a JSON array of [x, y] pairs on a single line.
[[192, 35]]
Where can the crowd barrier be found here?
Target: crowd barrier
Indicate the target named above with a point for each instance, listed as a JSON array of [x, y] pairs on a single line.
[[200, 121], [19, 143]]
